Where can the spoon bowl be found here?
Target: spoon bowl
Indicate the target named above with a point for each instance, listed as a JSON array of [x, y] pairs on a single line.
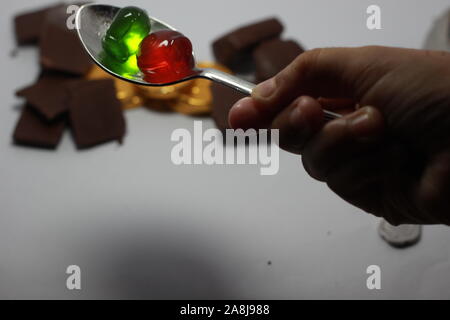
[[93, 21]]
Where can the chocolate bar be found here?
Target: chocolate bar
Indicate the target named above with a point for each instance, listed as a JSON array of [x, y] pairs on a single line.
[[95, 113], [272, 56], [231, 48], [28, 25], [48, 95], [60, 48], [223, 99], [33, 130]]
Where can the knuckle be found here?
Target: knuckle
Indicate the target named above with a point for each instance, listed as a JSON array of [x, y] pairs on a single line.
[[335, 131], [302, 65]]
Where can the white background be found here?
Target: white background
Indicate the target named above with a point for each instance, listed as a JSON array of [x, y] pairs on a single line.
[[140, 227]]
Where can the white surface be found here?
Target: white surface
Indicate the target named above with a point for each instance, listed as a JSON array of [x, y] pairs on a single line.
[[140, 227]]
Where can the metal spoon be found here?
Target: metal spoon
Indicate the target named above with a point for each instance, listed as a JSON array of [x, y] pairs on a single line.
[[92, 22]]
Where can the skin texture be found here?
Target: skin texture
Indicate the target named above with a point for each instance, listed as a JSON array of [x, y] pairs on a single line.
[[390, 153]]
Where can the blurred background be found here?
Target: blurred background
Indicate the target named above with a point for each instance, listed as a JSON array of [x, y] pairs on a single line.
[[140, 227]]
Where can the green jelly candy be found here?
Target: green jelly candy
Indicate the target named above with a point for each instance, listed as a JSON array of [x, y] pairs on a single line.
[[129, 27], [125, 69]]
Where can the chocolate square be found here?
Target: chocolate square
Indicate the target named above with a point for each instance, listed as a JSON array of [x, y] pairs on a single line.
[[28, 25], [223, 99], [49, 95], [33, 130], [60, 48], [448, 26], [231, 48], [272, 56], [95, 113]]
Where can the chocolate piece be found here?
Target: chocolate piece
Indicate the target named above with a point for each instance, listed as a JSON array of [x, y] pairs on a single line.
[[60, 48], [230, 48], [438, 37], [448, 25], [223, 99], [48, 95], [33, 130], [95, 112], [273, 56], [28, 25]]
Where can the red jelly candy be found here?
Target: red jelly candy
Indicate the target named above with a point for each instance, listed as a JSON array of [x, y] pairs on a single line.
[[165, 56]]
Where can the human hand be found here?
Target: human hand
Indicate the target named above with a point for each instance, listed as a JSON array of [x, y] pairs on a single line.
[[391, 157]]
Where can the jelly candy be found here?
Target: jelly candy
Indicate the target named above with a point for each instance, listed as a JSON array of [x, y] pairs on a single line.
[[126, 69], [165, 56], [126, 32]]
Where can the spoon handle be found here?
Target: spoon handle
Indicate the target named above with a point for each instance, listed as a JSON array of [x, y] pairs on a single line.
[[229, 80], [244, 86]]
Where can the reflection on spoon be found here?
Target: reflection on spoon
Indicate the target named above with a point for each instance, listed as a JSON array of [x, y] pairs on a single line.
[[127, 69]]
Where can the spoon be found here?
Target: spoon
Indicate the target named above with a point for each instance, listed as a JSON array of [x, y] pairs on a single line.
[[92, 22]]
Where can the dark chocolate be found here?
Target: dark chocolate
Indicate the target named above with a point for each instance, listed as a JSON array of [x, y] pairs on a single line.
[[28, 25], [232, 47], [33, 130], [272, 56], [60, 48], [49, 95], [95, 113], [223, 99]]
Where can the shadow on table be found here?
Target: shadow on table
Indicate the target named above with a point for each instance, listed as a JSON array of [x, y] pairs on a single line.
[[157, 263]]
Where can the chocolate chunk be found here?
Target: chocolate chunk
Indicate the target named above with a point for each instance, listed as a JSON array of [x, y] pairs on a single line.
[[95, 112], [33, 130], [223, 99], [272, 56], [232, 47], [49, 95], [60, 48], [448, 25], [28, 25]]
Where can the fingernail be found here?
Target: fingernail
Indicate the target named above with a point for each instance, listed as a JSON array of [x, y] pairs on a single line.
[[240, 103], [360, 123], [265, 89], [243, 114], [297, 116]]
